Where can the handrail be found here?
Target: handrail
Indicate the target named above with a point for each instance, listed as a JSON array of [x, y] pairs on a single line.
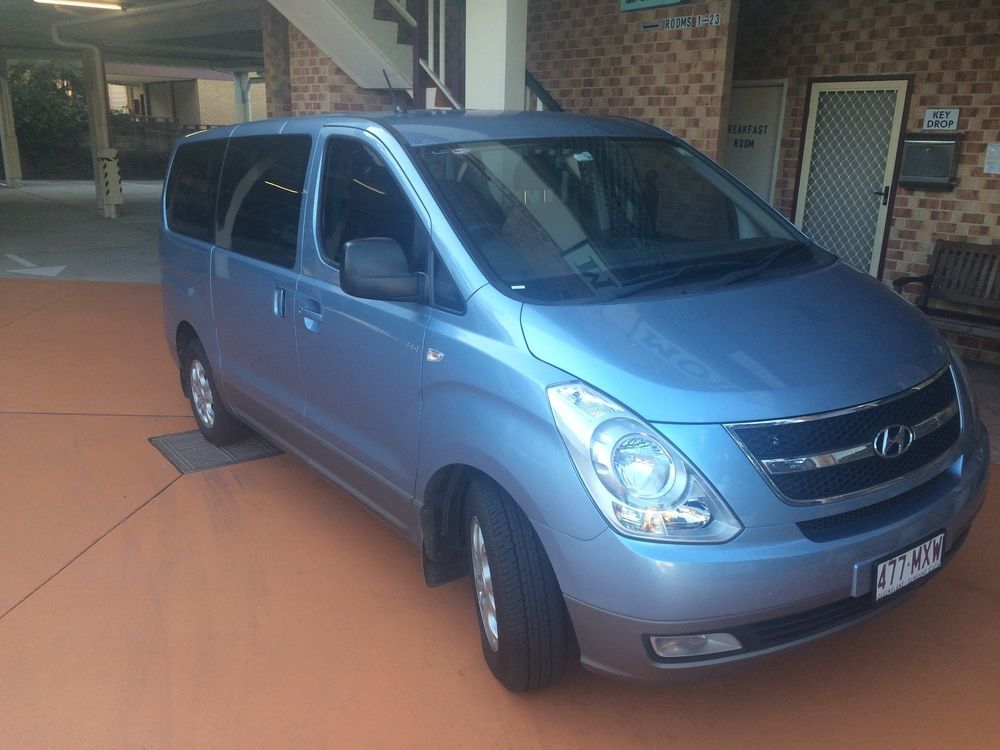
[[440, 84], [542, 94]]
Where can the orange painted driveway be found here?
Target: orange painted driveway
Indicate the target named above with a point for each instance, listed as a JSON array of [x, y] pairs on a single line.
[[257, 606]]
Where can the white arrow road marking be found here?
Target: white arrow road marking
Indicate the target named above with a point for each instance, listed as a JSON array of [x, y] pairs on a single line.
[[31, 269], [21, 261], [40, 271]]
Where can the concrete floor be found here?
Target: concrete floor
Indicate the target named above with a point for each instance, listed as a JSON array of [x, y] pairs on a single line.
[[257, 606], [50, 229]]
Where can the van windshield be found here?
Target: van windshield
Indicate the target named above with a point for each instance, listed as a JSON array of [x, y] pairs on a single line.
[[597, 218]]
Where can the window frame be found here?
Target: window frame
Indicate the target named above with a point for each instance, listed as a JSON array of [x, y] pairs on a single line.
[[321, 189], [336, 132], [436, 261]]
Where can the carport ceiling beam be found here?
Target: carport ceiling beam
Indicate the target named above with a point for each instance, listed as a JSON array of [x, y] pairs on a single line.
[[190, 25], [146, 10], [227, 16], [144, 32], [212, 52]]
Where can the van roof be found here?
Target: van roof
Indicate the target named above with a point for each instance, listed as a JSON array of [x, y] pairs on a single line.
[[446, 126], [429, 127]]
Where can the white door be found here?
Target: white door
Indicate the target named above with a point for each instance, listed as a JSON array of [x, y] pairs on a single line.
[[848, 167], [753, 133]]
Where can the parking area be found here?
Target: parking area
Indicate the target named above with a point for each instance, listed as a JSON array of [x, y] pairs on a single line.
[[258, 606], [50, 229]]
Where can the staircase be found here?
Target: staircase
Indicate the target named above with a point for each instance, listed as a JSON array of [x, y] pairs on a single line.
[[361, 36]]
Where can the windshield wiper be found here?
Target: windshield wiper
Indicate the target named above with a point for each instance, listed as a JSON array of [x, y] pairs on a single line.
[[758, 268], [741, 270], [651, 281]]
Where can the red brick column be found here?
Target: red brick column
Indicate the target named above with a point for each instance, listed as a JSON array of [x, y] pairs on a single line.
[[278, 85]]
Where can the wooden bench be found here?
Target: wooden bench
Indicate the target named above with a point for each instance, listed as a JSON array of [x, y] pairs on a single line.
[[961, 274]]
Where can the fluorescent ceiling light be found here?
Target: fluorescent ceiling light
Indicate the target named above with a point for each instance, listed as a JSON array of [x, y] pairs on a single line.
[[83, 4]]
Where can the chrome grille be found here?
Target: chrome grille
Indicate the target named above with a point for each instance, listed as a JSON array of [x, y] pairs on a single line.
[[834, 455]]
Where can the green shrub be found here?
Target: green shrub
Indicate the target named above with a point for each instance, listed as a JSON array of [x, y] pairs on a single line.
[[50, 115]]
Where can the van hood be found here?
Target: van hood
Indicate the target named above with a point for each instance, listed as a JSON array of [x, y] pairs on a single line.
[[815, 342]]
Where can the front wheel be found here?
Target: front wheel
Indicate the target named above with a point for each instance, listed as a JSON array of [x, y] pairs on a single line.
[[523, 622]]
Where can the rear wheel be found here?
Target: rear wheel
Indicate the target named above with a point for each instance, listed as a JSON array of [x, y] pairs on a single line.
[[215, 421], [523, 623]]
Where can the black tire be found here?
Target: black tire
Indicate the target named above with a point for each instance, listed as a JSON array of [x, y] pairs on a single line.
[[215, 421], [532, 626]]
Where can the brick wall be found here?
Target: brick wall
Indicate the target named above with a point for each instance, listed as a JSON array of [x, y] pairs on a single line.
[[951, 50], [217, 102], [318, 85], [594, 58], [278, 84], [186, 101]]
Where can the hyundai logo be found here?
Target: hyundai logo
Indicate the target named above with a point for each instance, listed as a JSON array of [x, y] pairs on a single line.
[[894, 441]]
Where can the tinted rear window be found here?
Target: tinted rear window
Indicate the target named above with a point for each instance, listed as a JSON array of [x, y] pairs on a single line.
[[260, 196], [192, 188]]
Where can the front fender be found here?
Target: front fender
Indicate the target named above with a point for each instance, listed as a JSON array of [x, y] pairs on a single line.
[[485, 406]]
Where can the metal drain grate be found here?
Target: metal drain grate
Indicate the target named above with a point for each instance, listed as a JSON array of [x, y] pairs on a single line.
[[190, 452]]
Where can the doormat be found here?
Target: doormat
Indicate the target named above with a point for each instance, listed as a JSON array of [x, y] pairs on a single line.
[[190, 452]]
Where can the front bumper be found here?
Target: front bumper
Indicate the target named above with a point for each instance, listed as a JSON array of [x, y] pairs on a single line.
[[773, 586]]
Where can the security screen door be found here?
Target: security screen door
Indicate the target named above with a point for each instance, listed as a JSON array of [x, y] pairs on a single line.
[[848, 167]]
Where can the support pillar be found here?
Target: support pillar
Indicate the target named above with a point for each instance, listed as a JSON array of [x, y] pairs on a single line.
[[98, 110], [494, 75], [277, 66], [8, 135], [241, 96]]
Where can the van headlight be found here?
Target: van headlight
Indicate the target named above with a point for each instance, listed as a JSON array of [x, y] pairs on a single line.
[[640, 481]]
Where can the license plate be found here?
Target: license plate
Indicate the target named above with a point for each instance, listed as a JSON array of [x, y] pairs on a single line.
[[899, 571]]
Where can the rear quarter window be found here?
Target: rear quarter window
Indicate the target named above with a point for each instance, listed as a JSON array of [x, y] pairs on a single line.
[[192, 188]]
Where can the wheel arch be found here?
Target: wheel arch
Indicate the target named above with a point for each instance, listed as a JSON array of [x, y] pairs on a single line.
[[441, 513]]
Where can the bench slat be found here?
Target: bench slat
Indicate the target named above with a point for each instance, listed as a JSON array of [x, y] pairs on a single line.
[[966, 273], [990, 289]]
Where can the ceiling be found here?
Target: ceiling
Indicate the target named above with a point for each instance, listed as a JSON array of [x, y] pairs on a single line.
[[222, 35]]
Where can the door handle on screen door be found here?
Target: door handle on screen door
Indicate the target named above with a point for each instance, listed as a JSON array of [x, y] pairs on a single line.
[[885, 195]]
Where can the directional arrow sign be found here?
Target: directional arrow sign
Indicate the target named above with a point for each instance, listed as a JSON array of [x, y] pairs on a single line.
[[30, 269], [40, 270]]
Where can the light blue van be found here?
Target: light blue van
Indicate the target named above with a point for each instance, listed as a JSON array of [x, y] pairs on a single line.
[[572, 358]]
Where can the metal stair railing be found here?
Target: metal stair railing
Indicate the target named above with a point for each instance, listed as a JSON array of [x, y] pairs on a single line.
[[536, 96]]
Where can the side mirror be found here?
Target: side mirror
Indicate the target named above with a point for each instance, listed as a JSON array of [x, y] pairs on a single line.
[[376, 268]]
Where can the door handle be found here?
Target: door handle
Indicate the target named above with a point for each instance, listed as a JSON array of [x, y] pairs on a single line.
[[312, 314], [884, 192], [279, 302]]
